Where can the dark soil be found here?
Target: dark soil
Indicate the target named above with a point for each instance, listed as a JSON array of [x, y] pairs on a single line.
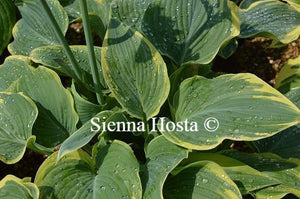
[[255, 56], [26, 167]]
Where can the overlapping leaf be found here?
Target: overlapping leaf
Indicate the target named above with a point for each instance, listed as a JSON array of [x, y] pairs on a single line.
[[287, 172], [134, 71], [245, 177], [57, 118], [199, 180], [236, 107], [34, 29], [113, 173]]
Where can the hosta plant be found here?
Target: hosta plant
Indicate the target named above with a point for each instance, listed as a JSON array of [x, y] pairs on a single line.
[[141, 114]]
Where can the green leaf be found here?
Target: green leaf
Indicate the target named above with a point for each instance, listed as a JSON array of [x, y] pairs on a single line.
[[236, 107], [162, 157], [277, 192], [12, 187], [246, 3], [286, 143], [85, 109], [270, 18], [73, 9], [199, 180], [105, 11], [287, 172], [289, 76], [34, 29], [113, 173], [17, 115], [55, 58], [294, 3], [187, 31], [134, 71], [57, 118], [228, 49], [83, 135], [7, 21], [12, 69], [245, 177]]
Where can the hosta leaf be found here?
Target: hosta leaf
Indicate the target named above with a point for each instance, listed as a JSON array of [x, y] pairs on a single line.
[[134, 71], [55, 58], [236, 107], [12, 187], [187, 31], [201, 180], [287, 172], [17, 115], [246, 178], [246, 3], [85, 109], [57, 117], [162, 157], [73, 9], [7, 21], [114, 174], [34, 29], [83, 135], [105, 10], [294, 3], [228, 50], [277, 192], [289, 76], [270, 18], [12, 69], [286, 143]]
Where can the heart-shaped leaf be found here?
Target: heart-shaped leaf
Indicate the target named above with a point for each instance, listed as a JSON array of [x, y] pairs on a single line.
[[270, 18], [245, 177], [162, 157], [17, 115], [201, 180], [287, 172], [187, 31], [236, 107], [113, 173], [12, 187], [134, 71], [7, 21], [34, 29]]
